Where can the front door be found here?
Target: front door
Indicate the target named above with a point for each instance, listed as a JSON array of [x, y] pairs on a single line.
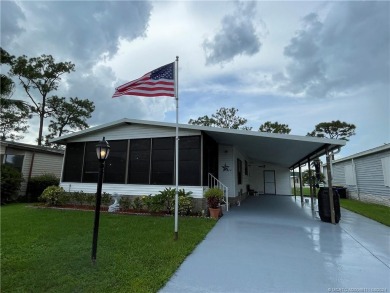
[[269, 182]]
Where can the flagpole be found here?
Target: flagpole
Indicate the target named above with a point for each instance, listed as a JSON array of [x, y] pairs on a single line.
[[177, 149]]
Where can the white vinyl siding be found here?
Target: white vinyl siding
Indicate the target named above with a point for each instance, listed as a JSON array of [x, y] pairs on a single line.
[[128, 189], [46, 163], [349, 175], [370, 174], [134, 131]]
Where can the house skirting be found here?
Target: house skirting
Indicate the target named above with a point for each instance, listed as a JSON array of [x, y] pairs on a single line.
[[370, 198]]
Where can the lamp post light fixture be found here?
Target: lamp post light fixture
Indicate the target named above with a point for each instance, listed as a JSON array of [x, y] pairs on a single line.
[[102, 152]]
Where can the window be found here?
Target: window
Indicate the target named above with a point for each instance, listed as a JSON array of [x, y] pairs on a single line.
[[246, 167], [115, 169], [15, 161], [73, 162], [139, 164], [386, 170], [239, 171], [163, 160], [189, 160]]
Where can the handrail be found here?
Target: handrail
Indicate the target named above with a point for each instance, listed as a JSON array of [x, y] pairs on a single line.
[[214, 182]]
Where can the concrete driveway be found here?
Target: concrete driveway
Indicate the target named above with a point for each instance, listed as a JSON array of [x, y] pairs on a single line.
[[274, 244]]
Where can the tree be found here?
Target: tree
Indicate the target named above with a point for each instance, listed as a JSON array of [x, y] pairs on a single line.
[[14, 113], [274, 127], [39, 76], [68, 116], [334, 129], [203, 121], [13, 119], [224, 118], [306, 178]]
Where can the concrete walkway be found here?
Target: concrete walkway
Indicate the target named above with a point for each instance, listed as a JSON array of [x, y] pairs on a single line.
[[274, 244]]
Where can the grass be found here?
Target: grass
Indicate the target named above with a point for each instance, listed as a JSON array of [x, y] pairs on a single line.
[[47, 250], [305, 191], [375, 212]]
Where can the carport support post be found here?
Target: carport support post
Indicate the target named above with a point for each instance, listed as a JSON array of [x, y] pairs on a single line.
[[311, 184], [295, 191], [300, 182], [330, 186]]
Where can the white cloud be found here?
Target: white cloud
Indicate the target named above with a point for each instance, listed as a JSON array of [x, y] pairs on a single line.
[[338, 52]]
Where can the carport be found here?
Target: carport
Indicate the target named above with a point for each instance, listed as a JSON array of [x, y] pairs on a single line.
[[284, 150], [278, 244]]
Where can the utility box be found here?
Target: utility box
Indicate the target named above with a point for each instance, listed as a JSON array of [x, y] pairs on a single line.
[[324, 205]]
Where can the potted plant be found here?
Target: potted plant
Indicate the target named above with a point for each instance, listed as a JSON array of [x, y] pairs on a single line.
[[214, 197]]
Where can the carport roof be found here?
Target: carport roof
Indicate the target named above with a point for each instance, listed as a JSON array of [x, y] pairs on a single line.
[[284, 150]]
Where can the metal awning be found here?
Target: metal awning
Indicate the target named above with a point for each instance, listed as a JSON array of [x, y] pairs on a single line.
[[284, 150]]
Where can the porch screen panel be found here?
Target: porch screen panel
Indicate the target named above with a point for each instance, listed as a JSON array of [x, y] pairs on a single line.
[[115, 170], [189, 160], [163, 160], [210, 158], [73, 162], [91, 163], [139, 165]]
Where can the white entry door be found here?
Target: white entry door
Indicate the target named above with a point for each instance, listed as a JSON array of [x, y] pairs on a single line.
[[269, 182]]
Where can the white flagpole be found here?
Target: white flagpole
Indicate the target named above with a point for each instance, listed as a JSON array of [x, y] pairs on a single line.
[[177, 148]]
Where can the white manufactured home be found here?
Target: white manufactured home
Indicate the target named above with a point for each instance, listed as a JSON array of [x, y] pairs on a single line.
[[366, 175], [142, 159]]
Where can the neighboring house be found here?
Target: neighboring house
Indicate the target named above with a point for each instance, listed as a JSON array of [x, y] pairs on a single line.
[[366, 175], [294, 180], [141, 159], [31, 160]]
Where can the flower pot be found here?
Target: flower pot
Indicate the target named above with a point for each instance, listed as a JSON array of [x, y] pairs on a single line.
[[214, 213]]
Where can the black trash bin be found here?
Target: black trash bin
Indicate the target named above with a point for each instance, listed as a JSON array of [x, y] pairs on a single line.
[[324, 205], [342, 191]]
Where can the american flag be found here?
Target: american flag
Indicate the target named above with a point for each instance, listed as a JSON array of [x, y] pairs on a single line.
[[157, 83]]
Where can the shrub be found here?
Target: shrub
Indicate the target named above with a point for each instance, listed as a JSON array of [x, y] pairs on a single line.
[[38, 184], [185, 205], [168, 197], [137, 203], [125, 203], [213, 197], [79, 197], [182, 192], [53, 196], [90, 199], [147, 202], [106, 199], [11, 180]]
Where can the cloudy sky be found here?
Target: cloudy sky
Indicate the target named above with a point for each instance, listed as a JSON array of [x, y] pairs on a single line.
[[299, 63]]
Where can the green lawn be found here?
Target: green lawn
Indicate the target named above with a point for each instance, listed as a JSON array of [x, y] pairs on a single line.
[[305, 191], [46, 250], [375, 212]]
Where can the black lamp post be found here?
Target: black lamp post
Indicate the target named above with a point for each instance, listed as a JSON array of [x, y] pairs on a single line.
[[102, 151]]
